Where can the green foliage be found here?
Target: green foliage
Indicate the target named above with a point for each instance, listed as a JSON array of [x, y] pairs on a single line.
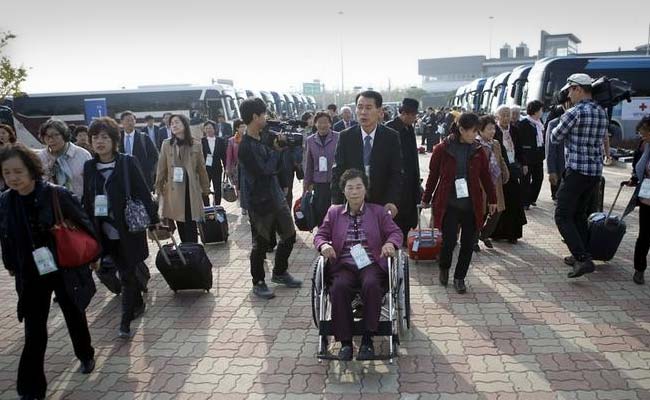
[[11, 77]]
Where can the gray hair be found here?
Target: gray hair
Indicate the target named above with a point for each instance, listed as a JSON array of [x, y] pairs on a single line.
[[501, 109], [56, 124], [345, 108], [515, 108]]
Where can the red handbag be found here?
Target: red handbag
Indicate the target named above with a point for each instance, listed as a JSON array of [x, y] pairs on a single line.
[[74, 247]]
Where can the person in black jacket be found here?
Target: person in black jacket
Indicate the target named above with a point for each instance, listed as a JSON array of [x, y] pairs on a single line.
[[155, 133], [214, 154], [109, 179], [531, 136], [407, 217], [29, 253], [374, 149], [138, 145]]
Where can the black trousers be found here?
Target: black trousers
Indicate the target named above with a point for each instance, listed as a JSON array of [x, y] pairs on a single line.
[[643, 241], [37, 297], [187, 230], [531, 183], [554, 188], [322, 201], [131, 287], [451, 221], [214, 176], [574, 198], [263, 228]]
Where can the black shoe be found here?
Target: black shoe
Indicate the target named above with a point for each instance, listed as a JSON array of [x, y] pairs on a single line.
[[638, 278], [476, 248], [30, 397], [512, 241], [366, 352], [459, 285], [87, 367], [287, 280], [270, 249], [570, 261], [526, 208], [488, 243], [345, 353], [261, 290], [443, 275], [125, 330], [533, 204], [581, 268]]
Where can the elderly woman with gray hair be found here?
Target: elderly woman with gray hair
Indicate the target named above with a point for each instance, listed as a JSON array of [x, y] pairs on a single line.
[[63, 161]]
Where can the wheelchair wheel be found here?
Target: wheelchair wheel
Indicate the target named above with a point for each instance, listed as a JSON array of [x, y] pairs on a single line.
[[316, 286], [404, 295]]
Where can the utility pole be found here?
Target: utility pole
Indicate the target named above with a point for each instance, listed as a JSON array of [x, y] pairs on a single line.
[[341, 51], [647, 47], [490, 19]]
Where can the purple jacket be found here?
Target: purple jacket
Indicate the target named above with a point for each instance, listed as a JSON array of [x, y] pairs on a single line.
[[376, 222], [315, 149]]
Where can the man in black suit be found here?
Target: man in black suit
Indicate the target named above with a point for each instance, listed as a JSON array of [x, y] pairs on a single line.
[[331, 110], [224, 129], [374, 149], [163, 128], [411, 189], [154, 132], [346, 121], [139, 146]]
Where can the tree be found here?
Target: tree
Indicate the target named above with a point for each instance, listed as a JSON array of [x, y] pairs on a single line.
[[11, 77]]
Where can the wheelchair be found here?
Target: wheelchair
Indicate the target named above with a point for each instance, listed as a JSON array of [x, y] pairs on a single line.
[[395, 309]]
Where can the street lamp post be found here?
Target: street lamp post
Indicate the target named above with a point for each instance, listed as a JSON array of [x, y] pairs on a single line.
[[341, 51], [490, 18]]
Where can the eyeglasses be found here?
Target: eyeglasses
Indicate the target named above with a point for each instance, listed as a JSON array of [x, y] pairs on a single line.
[[50, 136]]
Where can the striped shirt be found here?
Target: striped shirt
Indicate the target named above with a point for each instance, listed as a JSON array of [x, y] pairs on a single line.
[[583, 129]]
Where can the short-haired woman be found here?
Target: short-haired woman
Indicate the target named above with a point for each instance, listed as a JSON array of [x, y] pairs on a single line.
[[457, 171], [498, 172], [63, 161], [531, 137], [319, 160], [641, 179], [81, 139], [182, 180], [348, 233], [27, 216], [214, 156], [108, 178]]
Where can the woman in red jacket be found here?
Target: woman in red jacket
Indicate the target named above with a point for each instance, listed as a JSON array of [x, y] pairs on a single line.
[[457, 170]]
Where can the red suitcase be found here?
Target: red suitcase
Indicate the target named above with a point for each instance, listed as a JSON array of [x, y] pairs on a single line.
[[424, 244]]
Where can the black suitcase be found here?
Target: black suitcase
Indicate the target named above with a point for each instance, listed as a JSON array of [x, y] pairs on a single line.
[[605, 233], [184, 266], [214, 229]]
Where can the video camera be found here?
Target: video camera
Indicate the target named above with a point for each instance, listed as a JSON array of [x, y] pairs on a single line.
[[606, 92], [292, 129]]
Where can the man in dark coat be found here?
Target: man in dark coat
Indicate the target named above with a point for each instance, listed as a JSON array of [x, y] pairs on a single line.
[[155, 133], [138, 145], [407, 217], [374, 149], [224, 129]]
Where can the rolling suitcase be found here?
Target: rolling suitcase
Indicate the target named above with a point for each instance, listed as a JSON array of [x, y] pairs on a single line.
[[184, 266], [303, 213], [605, 232], [214, 229], [424, 244]]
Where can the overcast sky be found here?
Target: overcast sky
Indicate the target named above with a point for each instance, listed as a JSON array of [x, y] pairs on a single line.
[[87, 45]]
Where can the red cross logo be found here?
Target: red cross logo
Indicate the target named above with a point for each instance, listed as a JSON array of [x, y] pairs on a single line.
[[643, 107]]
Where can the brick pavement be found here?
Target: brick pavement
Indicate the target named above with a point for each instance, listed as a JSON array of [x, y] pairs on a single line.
[[524, 331]]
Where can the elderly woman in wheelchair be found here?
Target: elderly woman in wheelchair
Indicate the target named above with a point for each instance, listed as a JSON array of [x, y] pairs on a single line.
[[356, 239]]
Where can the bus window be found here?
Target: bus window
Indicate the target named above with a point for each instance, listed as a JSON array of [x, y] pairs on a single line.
[[215, 108]]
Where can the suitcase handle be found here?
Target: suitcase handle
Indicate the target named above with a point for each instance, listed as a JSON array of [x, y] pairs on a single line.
[[420, 208], [178, 249], [620, 188]]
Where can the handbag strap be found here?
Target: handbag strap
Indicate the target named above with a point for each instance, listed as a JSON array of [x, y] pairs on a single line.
[[56, 205], [127, 182]]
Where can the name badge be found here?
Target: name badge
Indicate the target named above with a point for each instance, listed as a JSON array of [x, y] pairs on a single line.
[[360, 256], [644, 191], [179, 174], [511, 157], [368, 171], [44, 260], [208, 160], [461, 188], [322, 164], [416, 245], [101, 206]]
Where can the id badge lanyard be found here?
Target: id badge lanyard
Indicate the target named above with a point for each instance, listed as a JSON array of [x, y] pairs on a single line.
[[42, 257]]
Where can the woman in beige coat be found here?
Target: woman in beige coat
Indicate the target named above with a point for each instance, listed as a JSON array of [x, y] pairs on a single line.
[[181, 179], [499, 173]]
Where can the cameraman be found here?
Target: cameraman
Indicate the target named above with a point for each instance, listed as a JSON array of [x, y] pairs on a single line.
[[583, 129], [262, 196]]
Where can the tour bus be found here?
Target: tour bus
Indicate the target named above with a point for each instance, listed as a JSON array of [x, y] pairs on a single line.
[[516, 83], [549, 75], [458, 98], [280, 103], [232, 108], [312, 103], [290, 106], [240, 96], [473, 94], [269, 100], [499, 89], [486, 95], [199, 103], [253, 93]]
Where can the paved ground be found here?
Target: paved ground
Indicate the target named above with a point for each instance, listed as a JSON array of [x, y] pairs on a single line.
[[524, 331]]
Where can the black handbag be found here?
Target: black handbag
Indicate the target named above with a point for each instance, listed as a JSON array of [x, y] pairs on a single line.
[[135, 213], [516, 172]]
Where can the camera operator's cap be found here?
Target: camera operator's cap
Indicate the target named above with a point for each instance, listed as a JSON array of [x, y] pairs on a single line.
[[410, 105], [577, 80]]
